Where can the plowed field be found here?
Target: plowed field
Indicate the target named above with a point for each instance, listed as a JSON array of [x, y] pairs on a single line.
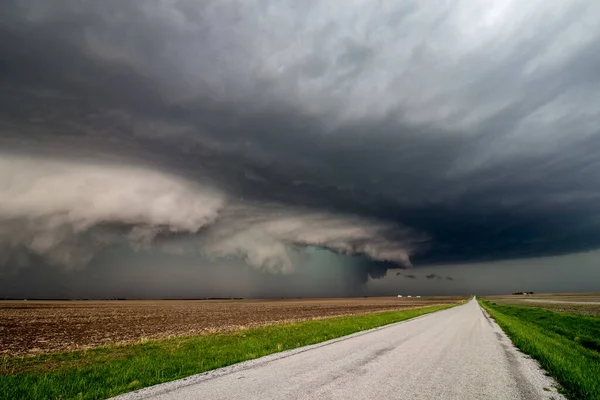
[[33, 327]]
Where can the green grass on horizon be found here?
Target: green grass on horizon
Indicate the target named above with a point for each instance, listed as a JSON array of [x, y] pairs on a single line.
[[566, 345], [108, 371]]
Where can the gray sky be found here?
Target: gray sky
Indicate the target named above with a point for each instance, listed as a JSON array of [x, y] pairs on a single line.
[[322, 146]]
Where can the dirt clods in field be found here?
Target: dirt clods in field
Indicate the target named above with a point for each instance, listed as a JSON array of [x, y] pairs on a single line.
[[35, 327]]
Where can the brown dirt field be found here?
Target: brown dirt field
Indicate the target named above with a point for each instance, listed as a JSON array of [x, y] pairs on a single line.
[[34, 327], [578, 303]]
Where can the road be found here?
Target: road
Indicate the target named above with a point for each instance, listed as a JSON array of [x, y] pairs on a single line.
[[452, 354]]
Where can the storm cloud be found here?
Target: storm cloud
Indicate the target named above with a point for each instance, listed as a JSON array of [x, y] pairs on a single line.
[[400, 132]]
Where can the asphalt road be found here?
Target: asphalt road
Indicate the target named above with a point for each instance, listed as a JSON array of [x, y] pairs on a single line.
[[452, 354]]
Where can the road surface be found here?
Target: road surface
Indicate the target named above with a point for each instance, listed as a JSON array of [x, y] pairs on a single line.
[[452, 354]]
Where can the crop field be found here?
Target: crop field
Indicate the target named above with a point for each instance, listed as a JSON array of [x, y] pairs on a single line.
[[106, 371], [39, 327], [577, 303]]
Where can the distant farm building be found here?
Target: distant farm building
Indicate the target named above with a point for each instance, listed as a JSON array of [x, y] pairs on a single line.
[[399, 295]]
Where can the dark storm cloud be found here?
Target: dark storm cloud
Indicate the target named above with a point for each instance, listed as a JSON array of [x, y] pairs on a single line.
[[406, 132], [436, 276], [407, 276]]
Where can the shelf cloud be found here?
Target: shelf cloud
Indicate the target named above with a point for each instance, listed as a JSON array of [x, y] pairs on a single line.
[[403, 133]]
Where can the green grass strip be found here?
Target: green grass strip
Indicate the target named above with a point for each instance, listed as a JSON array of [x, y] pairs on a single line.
[[553, 340], [108, 371]]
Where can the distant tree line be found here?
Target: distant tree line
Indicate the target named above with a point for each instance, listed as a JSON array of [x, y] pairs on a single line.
[[523, 293]]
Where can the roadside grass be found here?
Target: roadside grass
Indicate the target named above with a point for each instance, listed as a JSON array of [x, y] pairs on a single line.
[[108, 371], [584, 309], [588, 304], [566, 345]]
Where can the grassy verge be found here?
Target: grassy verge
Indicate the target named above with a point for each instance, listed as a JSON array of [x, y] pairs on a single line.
[[573, 305], [566, 345], [108, 371]]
